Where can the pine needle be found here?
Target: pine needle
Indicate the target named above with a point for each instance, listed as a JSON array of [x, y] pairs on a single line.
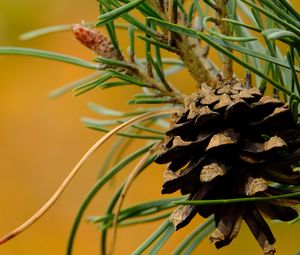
[[140, 165]]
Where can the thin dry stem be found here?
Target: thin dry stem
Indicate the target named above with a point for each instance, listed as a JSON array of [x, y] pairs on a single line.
[[135, 172], [75, 170]]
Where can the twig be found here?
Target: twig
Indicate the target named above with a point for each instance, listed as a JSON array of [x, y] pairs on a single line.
[[173, 16], [189, 50], [248, 80], [225, 30], [75, 170], [102, 46]]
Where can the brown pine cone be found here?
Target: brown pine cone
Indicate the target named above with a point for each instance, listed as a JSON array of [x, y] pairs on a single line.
[[232, 142]]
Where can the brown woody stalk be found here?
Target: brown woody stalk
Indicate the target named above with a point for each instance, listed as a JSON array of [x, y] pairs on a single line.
[[221, 12], [189, 49]]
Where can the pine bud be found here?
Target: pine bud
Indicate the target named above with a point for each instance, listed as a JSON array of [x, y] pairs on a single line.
[[96, 41]]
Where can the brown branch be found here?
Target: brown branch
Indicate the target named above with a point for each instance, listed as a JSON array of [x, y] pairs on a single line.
[[225, 29], [194, 57], [189, 49]]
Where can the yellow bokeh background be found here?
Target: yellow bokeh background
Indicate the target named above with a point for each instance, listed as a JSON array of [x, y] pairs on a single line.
[[41, 139]]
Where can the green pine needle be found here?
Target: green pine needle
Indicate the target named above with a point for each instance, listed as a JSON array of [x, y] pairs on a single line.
[[237, 200], [108, 16], [48, 55], [155, 235], [116, 169]]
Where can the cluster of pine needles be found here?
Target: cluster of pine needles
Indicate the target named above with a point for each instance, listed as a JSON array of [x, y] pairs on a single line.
[[232, 147]]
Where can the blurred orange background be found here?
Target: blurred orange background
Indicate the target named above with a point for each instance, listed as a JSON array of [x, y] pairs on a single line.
[[42, 139]]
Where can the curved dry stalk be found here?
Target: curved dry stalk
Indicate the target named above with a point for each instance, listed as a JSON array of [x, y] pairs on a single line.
[[75, 170], [125, 189]]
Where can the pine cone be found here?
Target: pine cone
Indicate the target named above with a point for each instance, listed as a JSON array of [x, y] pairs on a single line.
[[232, 142]]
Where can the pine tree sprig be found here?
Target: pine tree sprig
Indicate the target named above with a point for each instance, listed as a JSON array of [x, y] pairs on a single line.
[[226, 117], [211, 42]]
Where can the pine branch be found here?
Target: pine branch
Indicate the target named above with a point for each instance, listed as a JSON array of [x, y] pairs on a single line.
[[198, 130], [112, 58], [221, 13], [189, 49]]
